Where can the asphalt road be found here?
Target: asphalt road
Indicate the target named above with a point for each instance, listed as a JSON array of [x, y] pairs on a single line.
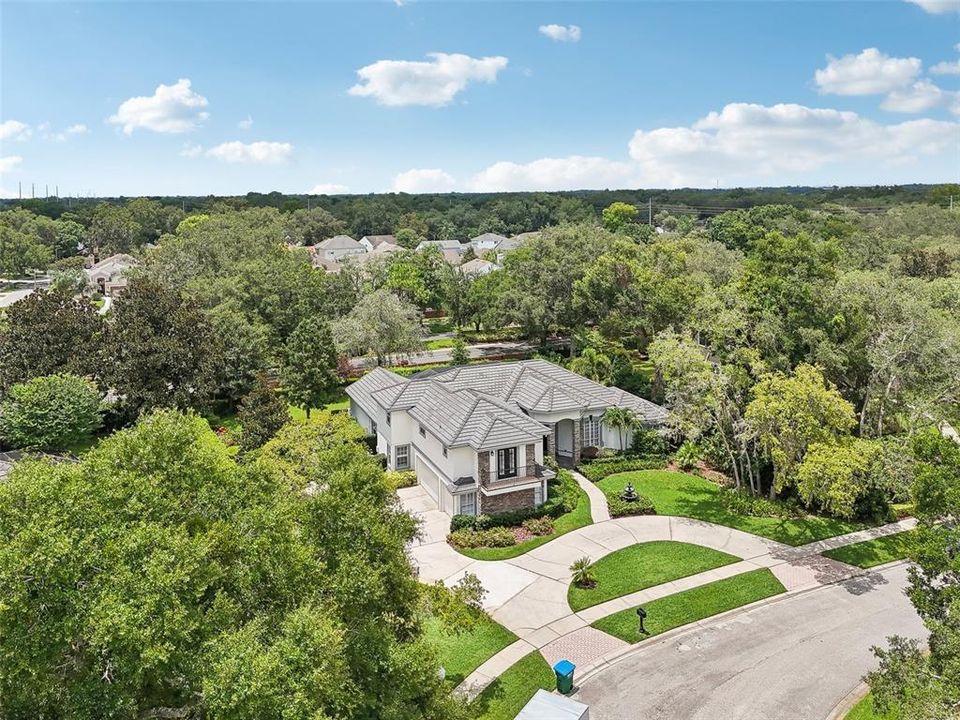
[[793, 659]]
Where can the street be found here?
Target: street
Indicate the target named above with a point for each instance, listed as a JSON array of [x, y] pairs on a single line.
[[793, 659]]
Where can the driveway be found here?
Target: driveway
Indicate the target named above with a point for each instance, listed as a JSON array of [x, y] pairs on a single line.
[[792, 659], [476, 352]]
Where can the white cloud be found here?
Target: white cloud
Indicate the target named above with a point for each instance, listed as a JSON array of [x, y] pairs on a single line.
[[72, 131], [189, 150], [423, 180], [328, 189], [435, 82], [566, 173], [171, 109], [9, 163], [921, 96], [561, 33], [869, 73], [245, 124], [255, 152], [14, 130], [938, 7], [746, 142], [946, 68]]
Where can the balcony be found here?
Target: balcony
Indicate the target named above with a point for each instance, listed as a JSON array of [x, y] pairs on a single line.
[[498, 479]]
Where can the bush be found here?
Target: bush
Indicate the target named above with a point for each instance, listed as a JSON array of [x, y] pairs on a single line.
[[583, 573], [589, 452], [538, 526], [621, 508], [51, 412], [649, 443], [371, 442], [396, 479], [687, 456], [563, 494], [602, 467], [741, 502], [493, 537]]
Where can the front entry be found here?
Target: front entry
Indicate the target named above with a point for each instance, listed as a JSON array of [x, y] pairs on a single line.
[[564, 430]]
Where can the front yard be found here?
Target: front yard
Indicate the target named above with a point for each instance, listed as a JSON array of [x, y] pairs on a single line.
[[644, 565], [506, 696], [874, 552], [691, 605], [675, 493], [461, 654]]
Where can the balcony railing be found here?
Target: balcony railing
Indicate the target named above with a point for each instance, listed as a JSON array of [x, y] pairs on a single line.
[[507, 477]]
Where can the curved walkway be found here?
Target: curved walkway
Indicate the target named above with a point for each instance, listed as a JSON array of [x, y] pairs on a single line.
[[599, 512], [528, 594]]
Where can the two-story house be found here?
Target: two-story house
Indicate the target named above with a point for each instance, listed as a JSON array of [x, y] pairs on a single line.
[[477, 435]]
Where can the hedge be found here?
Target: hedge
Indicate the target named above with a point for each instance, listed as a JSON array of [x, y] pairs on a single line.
[[602, 467]]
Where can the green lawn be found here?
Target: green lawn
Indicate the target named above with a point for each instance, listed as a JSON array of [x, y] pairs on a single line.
[[689, 606], [863, 710], [572, 520], [439, 344], [685, 495], [507, 695], [461, 654], [440, 325], [874, 552], [645, 565]]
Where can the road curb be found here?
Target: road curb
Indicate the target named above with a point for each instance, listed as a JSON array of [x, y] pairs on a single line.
[[841, 709]]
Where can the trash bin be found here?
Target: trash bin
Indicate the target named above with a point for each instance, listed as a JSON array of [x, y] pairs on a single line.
[[564, 670]]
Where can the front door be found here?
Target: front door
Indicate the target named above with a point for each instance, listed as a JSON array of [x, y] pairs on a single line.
[[506, 463]]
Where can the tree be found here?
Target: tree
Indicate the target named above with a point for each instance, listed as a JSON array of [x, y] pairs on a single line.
[[46, 333], [112, 230], [381, 324], [20, 252], [459, 354], [617, 215], [407, 238], [245, 351], [178, 582], [309, 372], [52, 412], [160, 350], [593, 364], [308, 227], [623, 420], [836, 476], [262, 413], [911, 683], [790, 413]]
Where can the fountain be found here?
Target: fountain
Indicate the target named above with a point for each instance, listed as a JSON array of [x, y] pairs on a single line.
[[629, 494]]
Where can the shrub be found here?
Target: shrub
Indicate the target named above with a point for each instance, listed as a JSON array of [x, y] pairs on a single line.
[[648, 443], [589, 452], [50, 412], [583, 573], [563, 494], [492, 537], [396, 479], [741, 502], [601, 468], [687, 456], [538, 526], [371, 442], [621, 508]]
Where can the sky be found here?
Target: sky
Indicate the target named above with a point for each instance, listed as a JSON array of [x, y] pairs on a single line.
[[186, 98]]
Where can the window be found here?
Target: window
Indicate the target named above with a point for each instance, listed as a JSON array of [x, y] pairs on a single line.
[[373, 428], [507, 463], [468, 503], [388, 418], [444, 450], [402, 461], [423, 433], [591, 432]]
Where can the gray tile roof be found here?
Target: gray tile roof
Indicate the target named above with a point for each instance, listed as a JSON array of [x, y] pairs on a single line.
[[377, 240], [339, 242], [484, 406], [487, 237]]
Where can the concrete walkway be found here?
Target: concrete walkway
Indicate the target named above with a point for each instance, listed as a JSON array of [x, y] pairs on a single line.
[[599, 512], [528, 594]]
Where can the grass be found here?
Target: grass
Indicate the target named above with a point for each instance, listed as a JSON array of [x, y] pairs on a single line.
[[505, 697], [689, 496], [689, 606], [440, 325], [873, 552], [863, 710], [576, 518], [461, 654], [439, 344], [645, 565], [340, 402]]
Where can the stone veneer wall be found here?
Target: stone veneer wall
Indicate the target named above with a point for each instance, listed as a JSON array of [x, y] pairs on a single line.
[[577, 440], [483, 467], [490, 504], [531, 458], [552, 440]]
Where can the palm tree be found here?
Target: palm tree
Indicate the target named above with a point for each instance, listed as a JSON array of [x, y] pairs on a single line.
[[622, 420], [594, 365], [583, 572]]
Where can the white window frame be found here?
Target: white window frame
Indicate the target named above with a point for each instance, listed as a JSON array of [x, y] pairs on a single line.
[[592, 432], [473, 497], [396, 460]]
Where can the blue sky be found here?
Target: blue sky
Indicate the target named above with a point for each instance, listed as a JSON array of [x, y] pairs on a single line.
[[479, 96]]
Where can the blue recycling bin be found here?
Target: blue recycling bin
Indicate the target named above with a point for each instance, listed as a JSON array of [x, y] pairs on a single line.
[[564, 671]]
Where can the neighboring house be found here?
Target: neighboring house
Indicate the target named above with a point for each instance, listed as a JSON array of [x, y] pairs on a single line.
[[452, 257], [331, 266], [487, 241], [476, 435], [512, 243], [337, 248], [443, 245], [108, 275], [371, 242], [478, 267]]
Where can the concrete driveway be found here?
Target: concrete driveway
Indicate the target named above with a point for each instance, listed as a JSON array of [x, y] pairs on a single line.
[[792, 659]]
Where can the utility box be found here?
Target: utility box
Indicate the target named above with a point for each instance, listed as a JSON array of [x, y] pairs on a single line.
[[549, 706]]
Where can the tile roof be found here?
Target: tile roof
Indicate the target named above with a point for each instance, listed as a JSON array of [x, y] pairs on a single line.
[[485, 405], [487, 237], [377, 240], [339, 242]]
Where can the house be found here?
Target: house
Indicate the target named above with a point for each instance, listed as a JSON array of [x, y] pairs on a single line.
[[452, 257], [371, 242], [108, 275], [487, 241], [478, 267], [477, 435], [453, 245], [512, 243], [330, 266], [337, 248], [380, 251]]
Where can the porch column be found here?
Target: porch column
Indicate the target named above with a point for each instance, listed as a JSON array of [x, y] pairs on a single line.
[[577, 440], [552, 440]]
